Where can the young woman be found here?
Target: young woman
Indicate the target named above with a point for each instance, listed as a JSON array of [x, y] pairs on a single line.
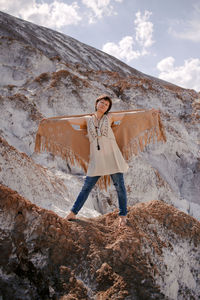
[[105, 155], [100, 152]]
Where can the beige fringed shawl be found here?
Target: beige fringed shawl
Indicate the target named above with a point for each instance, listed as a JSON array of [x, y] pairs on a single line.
[[136, 130]]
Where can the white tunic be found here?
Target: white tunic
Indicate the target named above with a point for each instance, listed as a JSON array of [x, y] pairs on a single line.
[[108, 160]]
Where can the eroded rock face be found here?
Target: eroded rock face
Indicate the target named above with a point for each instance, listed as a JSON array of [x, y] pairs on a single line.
[[43, 256], [38, 184], [46, 73]]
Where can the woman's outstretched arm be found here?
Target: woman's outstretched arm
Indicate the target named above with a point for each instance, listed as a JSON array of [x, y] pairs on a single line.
[[81, 121], [74, 120], [118, 116]]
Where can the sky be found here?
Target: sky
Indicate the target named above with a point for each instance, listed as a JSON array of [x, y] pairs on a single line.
[[160, 38]]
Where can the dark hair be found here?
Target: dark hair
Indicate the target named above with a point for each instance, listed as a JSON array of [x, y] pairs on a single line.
[[104, 97]]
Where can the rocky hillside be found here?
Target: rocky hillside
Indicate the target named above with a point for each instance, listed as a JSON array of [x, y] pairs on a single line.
[[45, 73], [45, 257], [37, 183]]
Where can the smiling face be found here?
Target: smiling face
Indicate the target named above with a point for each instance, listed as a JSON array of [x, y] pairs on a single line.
[[102, 105]]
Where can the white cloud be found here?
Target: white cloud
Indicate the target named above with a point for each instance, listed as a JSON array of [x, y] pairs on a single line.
[[144, 29], [128, 49], [57, 13], [166, 64], [54, 15], [187, 76], [99, 8], [124, 50]]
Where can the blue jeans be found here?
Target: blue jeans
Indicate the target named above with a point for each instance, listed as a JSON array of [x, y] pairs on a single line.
[[118, 181]]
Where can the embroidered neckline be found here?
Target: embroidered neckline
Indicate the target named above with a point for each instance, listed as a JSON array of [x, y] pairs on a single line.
[[99, 124], [101, 130]]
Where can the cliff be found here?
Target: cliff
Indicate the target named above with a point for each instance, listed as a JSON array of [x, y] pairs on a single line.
[[44, 73], [43, 256]]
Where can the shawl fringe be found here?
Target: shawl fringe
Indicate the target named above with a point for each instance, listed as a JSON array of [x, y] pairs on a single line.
[[103, 182], [139, 143], [42, 143]]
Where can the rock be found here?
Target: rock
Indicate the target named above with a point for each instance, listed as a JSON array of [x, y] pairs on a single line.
[[44, 74], [43, 256], [36, 183], [49, 74]]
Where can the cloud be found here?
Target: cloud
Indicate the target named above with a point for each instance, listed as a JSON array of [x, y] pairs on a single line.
[[129, 47], [166, 64], [55, 15], [124, 50], [58, 14], [190, 29], [100, 8], [144, 29], [187, 76]]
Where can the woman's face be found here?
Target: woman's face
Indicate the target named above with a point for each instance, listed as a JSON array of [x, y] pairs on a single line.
[[103, 105]]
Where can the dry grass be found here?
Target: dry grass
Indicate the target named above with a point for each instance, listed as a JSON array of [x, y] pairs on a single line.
[[43, 77], [62, 74], [56, 57]]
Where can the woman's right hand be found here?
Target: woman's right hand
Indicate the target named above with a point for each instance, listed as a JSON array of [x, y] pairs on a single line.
[[155, 111], [44, 119]]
